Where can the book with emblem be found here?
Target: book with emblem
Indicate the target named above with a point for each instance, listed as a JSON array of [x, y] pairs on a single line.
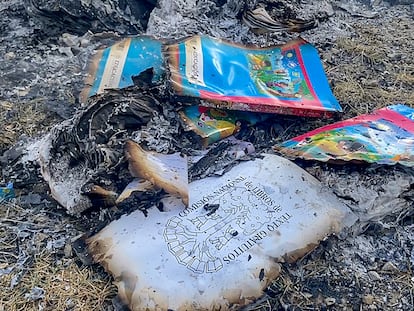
[[224, 249]]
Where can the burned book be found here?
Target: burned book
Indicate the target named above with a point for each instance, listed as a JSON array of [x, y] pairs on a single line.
[[90, 147], [209, 125], [116, 66], [285, 79], [225, 248], [212, 72], [385, 136]]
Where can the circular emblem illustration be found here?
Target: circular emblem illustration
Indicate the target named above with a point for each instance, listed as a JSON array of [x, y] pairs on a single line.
[[221, 229]]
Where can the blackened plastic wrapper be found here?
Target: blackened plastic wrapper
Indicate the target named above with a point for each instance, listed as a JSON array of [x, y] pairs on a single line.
[[287, 79], [385, 137]]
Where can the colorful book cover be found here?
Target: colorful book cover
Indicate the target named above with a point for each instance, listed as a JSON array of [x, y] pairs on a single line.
[[211, 124], [287, 79], [384, 137], [115, 66]]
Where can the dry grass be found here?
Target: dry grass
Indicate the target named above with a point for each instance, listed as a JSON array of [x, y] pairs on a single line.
[[18, 119], [375, 68], [309, 290], [65, 286]]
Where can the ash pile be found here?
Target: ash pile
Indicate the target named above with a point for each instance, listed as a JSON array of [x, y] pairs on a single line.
[[104, 151]]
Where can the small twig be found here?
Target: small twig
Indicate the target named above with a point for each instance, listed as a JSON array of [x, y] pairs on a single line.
[[9, 254], [18, 221]]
